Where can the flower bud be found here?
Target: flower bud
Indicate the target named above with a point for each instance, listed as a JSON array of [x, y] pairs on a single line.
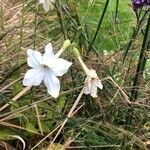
[[66, 43], [76, 52]]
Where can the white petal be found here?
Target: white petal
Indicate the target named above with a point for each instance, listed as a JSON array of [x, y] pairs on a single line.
[[87, 90], [92, 73], [34, 58], [46, 5], [52, 83], [94, 91], [99, 84], [60, 66], [87, 82], [48, 56], [33, 77], [49, 50], [41, 1]]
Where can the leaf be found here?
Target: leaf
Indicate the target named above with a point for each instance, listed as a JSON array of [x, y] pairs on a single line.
[[47, 126], [8, 134], [61, 103], [56, 146], [31, 126]]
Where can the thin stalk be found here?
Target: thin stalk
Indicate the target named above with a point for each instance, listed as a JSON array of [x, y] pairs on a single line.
[[116, 12], [35, 24], [76, 27], [99, 25], [68, 117], [72, 8], [60, 16], [88, 12], [135, 33], [74, 14], [22, 24], [21, 32], [141, 62]]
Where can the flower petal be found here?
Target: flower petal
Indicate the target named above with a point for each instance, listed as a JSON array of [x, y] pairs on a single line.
[[52, 83], [60, 66], [49, 50], [34, 58], [33, 77], [87, 90], [99, 84], [48, 56], [94, 91], [46, 5], [92, 73], [41, 1]]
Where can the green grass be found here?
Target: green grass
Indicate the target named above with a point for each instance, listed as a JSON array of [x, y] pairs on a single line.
[[112, 36]]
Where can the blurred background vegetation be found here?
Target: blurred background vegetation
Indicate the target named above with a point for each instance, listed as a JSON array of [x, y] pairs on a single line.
[[106, 122]]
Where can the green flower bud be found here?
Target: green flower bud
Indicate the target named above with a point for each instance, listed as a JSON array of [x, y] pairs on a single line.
[[76, 52], [66, 43]]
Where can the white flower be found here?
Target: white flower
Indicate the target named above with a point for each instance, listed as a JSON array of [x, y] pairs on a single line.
[[92, 82], [46, 68], [47, 4]]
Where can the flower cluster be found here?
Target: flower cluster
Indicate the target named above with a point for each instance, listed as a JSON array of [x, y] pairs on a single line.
[[140, 3], [48, 66]]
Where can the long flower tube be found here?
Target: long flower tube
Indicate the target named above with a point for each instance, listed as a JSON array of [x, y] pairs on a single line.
[[92, 82]]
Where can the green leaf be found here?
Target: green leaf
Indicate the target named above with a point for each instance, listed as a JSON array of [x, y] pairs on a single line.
[[61, 103], [31, 126]]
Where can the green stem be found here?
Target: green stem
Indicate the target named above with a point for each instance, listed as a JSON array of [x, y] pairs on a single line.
[[76, 27], [116, 12], [85, 68], [99, 25], [60, 16], [135, 33], [73, 11], [74, 14], [141, 62]]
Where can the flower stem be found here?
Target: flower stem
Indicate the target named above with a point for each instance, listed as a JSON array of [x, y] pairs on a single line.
[[135, 33], [60, 16], [141, 62], [116, 12], [85, 68], [59, 52], [99, 24]]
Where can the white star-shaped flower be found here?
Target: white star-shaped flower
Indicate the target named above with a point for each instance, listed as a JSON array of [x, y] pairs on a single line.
[[45, 68], [47, 4], [92, 82]]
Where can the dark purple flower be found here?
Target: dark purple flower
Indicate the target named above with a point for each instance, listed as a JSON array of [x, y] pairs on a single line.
[[140, 3]]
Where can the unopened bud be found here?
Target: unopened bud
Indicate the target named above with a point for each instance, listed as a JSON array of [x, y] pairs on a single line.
[[66, 43], [76, 52]]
